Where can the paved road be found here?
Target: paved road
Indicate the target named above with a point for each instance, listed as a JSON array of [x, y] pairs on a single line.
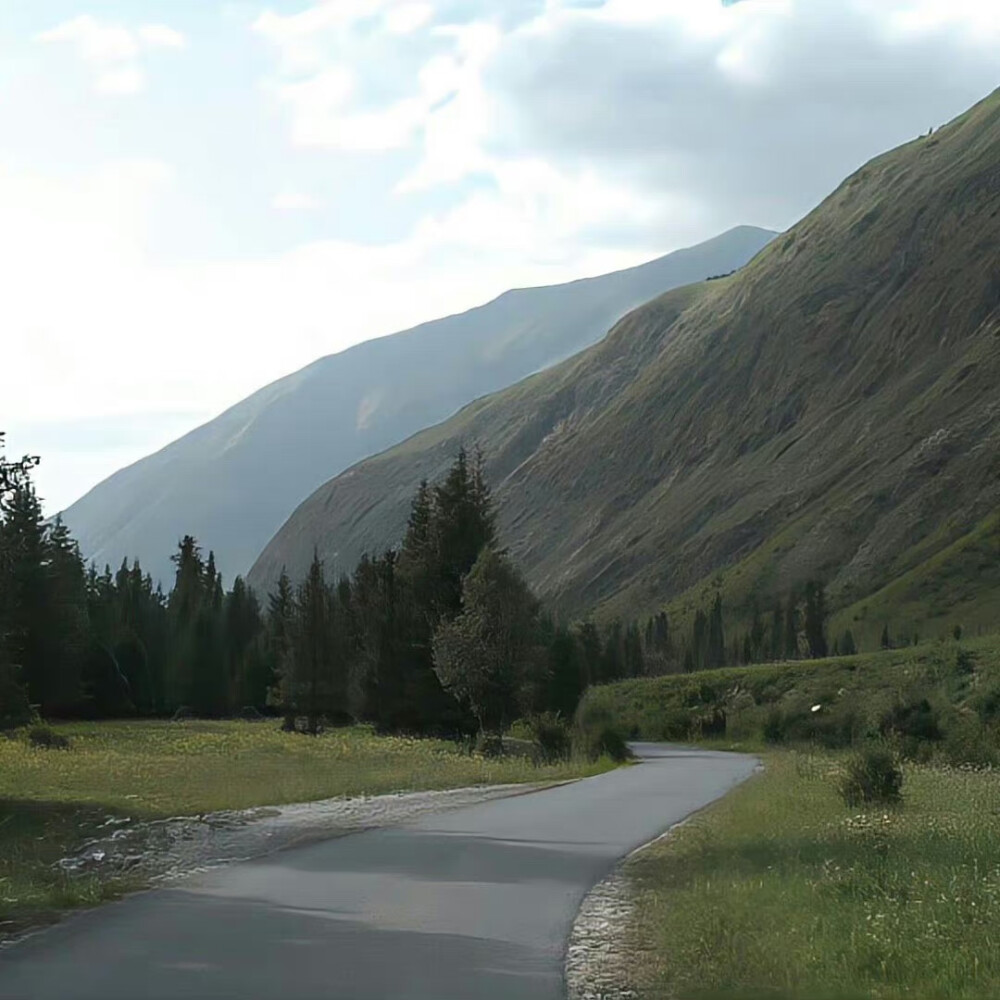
[[473, 904]]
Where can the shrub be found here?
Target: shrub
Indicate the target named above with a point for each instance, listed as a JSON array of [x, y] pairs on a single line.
[[872, 777], [774, 726], [552, 735], [604, 741], [965, 662], [675, 724], [47, 737], [967, 744], [915, 724]]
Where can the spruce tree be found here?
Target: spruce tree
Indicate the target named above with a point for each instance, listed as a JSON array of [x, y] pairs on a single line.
[[848, 647], [716, 652], [815, 620], [280, 637], [699, 641], [791, 629], [777, 650]]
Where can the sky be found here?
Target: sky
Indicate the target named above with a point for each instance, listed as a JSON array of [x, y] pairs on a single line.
[[200, 196]]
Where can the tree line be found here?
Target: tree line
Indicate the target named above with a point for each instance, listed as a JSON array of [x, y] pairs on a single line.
[[441, 635]]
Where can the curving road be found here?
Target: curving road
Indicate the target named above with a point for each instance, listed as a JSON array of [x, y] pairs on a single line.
[[471, 904]]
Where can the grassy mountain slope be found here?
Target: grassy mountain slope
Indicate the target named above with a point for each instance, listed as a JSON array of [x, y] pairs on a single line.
[[833, 409], [233, 481]]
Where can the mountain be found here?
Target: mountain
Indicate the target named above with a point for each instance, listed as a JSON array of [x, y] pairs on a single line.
[[832, 410], [232, 482]]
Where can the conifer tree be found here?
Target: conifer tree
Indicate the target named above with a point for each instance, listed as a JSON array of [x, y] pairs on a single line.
[[791, 629], [716, 652], [699, 641], [777, 650], [280, 637], [815, 620]]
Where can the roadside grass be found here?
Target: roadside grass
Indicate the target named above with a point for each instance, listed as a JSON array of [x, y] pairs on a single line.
[[781, 891], [52, 800]]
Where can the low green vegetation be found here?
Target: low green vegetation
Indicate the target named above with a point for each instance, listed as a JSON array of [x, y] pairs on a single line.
[[863, 862], [53, 797], [938, 700], [780, 890]]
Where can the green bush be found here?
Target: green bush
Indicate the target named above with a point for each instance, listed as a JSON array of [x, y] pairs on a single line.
[[968, 744], [552, 736], [600, 738], [45, 736], [872, 777]]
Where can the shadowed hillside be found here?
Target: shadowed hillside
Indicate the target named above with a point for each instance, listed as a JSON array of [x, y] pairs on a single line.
[[832, 410], [232, 482]]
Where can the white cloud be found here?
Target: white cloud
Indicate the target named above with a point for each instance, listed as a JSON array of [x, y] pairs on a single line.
[[295, 201], [94, 325], [112, 51], [531, 141], [407, 18]]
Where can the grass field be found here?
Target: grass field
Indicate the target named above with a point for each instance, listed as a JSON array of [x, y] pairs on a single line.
[[51, 800], [781, 891]]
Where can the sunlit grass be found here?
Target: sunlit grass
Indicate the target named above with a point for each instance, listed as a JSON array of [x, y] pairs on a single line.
[[51, 800], [780, 890]]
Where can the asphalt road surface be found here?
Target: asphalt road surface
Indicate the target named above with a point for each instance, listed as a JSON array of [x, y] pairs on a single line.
[[472, 904]]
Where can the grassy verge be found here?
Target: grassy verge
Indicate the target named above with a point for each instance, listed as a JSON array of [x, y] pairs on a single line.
[[780, 891], [51, 800]]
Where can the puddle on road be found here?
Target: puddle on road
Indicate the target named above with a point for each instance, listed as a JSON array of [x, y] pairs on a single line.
[[167, 849]]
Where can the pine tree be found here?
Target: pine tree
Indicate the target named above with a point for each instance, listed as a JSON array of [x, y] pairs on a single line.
[[815, 623], [319, 663], [699, 642], [757, 637], [184, 608], [67, 620], [566, 682], [589, 638], [777, 633], [791, 629], [848, 647], [716, 652], [248, 676], [27, 587], [15, 709], [280, 637]]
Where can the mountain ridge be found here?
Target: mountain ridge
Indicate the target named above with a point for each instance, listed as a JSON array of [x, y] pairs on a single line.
[[233, 481], [820, 413]]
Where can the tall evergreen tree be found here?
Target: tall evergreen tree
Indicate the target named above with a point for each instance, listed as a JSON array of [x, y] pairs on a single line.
[[716, 652], [280, 640], [777, 647], [319, 662], [815, 620], [791, 628], [699, 641]]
